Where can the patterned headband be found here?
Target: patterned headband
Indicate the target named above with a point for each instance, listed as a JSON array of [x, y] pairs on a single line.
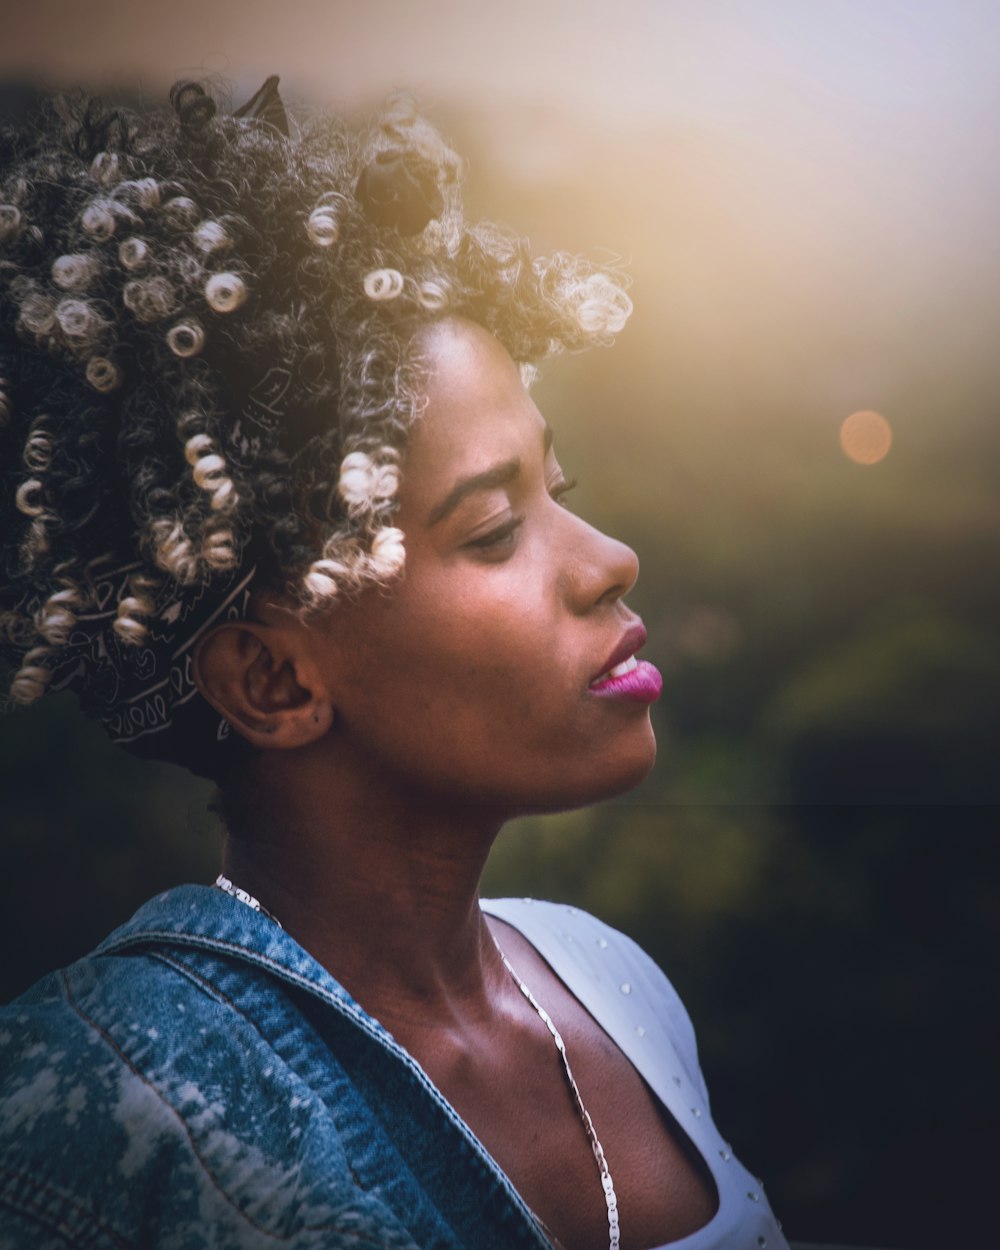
[[144, 694]]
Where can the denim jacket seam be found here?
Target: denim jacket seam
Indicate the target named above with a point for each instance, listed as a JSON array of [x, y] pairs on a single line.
[[216, 994], [89, 1231], [187, 1132], [207, 987], [353, 1238]]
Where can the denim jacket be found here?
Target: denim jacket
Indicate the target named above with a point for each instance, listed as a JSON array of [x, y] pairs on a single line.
[[201, 1081]]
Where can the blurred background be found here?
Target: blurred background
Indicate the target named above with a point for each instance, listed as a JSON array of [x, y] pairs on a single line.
[[799, 434]]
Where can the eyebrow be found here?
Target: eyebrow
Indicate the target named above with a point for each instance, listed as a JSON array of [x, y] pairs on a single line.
[[488, 479]]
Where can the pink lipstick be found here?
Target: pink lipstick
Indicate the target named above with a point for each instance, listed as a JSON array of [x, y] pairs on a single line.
[[634, 681], [626, 678]]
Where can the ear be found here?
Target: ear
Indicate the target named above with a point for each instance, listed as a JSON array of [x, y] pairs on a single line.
[[261, 679]]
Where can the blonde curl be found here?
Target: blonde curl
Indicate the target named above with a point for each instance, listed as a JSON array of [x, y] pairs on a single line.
[[37, 454], [186, 339], [37, 541], [225, 292], [323, 225], [601, 306], [365, 485], [173, 550], [105, 168], [211, 236], [219, 548], [56, 618], [10, 221], [134, 253], [208, 468], [23, 498], [388, 553], [143, 191], [181, 212], [322, 581], [37, 314], [383, 284], [78, 321], [103, 374], [75, 272], [136, 604], [31, 679], [341, 567], [433, 297], [100, 219], [150, 299]]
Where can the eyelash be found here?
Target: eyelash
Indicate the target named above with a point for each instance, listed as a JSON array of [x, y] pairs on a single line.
[[499, 538], [562, 488], [503, 535]]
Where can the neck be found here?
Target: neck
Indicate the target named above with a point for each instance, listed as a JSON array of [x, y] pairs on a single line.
[[381, 887]]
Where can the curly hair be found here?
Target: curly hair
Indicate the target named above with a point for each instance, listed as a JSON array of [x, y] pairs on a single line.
[[207, 353]]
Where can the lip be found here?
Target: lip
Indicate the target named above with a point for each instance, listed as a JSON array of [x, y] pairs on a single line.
[[633, 640], [641, 684]]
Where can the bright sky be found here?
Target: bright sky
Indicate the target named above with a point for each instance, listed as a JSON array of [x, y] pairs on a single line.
[[912, 82], [827, 163], [665, 58]]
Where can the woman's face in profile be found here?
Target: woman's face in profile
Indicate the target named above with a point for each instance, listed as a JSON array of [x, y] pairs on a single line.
[[474, 676]]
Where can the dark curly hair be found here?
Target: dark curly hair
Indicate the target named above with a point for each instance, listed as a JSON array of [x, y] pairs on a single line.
[[207, 360]]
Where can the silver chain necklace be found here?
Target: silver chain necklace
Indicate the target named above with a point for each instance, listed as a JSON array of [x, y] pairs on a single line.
[[614, 1235], [222, 882]]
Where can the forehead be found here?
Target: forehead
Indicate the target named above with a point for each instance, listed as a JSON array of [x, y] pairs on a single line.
[[477, 413]]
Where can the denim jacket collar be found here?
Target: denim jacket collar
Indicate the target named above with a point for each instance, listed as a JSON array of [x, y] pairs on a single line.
[[205, 918], [222, 941]]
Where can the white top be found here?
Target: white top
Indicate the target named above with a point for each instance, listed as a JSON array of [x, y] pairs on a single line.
[[638, 1008]]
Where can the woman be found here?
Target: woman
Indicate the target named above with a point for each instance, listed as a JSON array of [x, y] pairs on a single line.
[[281, 509]]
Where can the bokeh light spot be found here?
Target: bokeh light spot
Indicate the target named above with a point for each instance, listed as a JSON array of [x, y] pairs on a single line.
[[865, 437]]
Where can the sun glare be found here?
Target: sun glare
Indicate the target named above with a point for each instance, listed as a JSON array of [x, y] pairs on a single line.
[[865, 437]]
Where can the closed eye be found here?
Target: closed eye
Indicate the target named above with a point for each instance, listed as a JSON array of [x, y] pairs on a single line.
[[500, 539]]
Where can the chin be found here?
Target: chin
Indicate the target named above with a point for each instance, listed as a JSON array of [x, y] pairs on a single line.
[[611, 774], [630, 777]]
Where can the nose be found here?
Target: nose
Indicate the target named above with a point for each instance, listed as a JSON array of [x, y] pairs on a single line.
[[600, 569]]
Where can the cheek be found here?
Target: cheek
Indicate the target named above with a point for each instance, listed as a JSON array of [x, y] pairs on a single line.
[[485, 695], [472, 671], [479, 624]]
